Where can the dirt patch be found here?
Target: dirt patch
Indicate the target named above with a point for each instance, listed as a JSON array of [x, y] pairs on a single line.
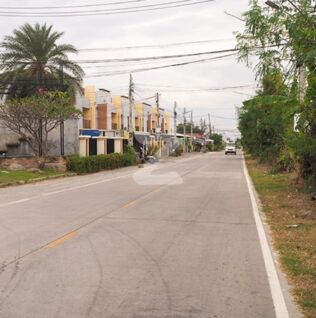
[[54, 163]]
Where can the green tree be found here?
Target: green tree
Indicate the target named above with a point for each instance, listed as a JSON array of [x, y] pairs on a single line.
[[44, 111], [266, 120], [33, 59], [284, 40], [218, 141]]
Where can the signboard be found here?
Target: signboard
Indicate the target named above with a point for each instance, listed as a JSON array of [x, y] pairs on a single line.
[[90, 132]]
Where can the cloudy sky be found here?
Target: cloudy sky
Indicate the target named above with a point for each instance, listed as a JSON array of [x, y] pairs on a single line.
[[200, 22]]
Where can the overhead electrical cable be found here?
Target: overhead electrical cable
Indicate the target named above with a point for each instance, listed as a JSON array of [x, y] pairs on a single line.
[[199, 89], [156, 67], [154, 45], [70, 6], [105, 12], [146, 58]]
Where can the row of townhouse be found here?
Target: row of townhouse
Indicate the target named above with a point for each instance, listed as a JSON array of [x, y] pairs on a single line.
[[105, 124], [103, 128]]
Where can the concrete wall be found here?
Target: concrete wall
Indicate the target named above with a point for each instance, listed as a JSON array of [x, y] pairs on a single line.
[[14, 146], [71, 140]]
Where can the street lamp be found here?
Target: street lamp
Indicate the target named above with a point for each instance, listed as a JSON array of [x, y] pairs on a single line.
[[273, 5]]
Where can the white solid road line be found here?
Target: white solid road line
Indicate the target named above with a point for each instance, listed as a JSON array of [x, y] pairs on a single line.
[[82, 186], [15, 202], [275, 286], [86, 185], [65, 190]]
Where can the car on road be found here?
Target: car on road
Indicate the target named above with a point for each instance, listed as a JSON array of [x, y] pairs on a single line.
[[230, 148]]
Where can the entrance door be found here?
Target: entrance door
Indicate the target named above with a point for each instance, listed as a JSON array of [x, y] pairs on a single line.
[[110, 145], [92, 147]]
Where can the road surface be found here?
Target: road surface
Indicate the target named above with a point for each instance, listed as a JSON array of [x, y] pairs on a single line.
[[179, 241]]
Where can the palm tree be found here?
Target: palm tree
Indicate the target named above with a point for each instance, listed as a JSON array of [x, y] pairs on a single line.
[[32, 59]]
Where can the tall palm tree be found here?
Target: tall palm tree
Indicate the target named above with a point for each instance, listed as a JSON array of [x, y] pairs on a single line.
[[32, 59]]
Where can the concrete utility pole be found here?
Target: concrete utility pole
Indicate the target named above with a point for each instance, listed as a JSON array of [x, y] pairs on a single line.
[[209, 125], [62, 124], [158, 129], [158, 113], [184, 123], [301, 92], [175, 120], [191, 132], [131, 109]]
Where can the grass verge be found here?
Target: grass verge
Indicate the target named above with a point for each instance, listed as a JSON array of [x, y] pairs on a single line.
[[20, 177], [290, 213]]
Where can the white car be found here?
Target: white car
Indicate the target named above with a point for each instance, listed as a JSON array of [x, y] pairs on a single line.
[[230, 148]]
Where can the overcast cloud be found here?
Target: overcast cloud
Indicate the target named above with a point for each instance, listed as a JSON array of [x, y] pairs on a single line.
[[201, 22]]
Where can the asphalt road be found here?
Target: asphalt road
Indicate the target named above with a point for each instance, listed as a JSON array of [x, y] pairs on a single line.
[[179, 241]]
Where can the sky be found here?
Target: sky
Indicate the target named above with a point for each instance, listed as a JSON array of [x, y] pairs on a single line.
[[204, 21]]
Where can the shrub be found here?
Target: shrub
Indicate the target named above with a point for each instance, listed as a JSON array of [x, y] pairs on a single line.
[[97, 163], [177, 151], [152, 150]]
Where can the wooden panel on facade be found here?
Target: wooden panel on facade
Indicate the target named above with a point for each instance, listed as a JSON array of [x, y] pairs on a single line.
[[102, 116]]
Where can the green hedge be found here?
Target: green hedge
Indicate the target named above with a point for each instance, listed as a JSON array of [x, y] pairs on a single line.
[[97, 163]]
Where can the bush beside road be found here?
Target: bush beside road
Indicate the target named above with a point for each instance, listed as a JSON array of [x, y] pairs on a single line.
[[82, 165]]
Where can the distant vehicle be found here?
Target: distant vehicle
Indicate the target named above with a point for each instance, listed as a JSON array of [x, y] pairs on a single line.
[[230, 148]]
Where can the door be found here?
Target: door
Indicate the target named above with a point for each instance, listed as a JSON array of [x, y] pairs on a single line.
[[110, 146], [93, 147]]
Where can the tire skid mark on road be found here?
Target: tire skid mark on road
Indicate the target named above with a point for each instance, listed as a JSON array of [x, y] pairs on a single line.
[[3, 266], [20, 277], [61, 301], [157, 262], [100, 281], [149, 258]]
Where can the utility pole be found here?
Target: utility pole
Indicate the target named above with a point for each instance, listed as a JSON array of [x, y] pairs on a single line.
[[131, 108], [158, 113], [158, 129], [62, 124], [184, 124], [175, 121], [191, 132], [209, 125]]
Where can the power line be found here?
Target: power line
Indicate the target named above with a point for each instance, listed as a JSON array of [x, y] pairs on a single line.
[[72, 6], [139, 59], [156, 67], [106, 12], [202, 89], [153, 45], [102, 10], [162, 57]]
